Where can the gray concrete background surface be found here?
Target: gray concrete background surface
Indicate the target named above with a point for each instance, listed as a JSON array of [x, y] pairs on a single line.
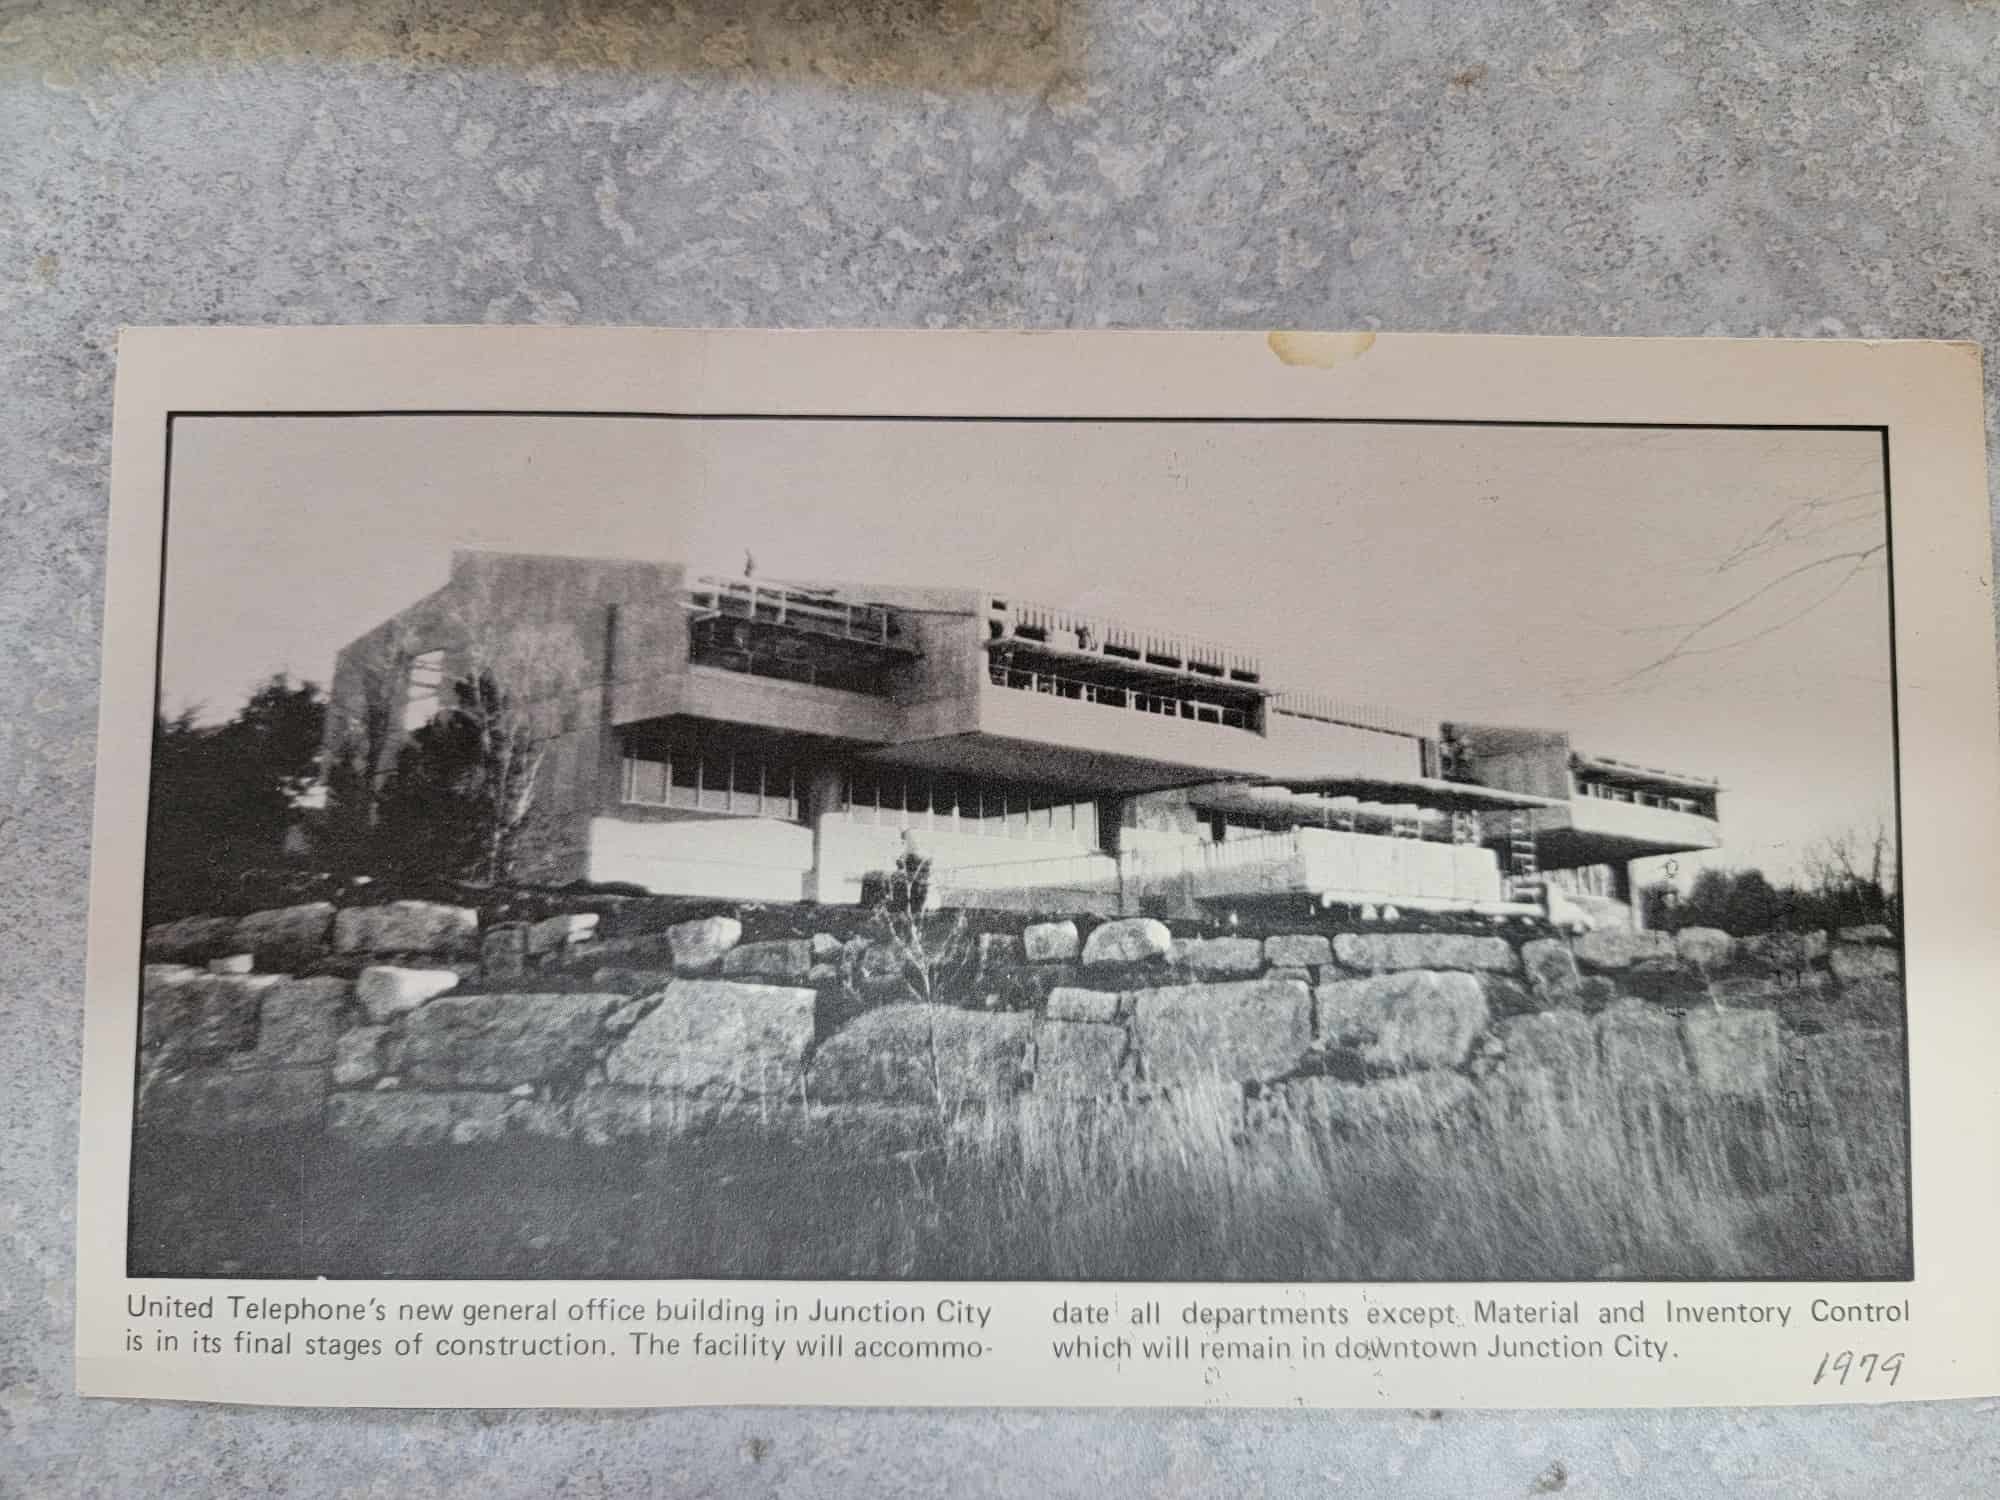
[[1549, 166]]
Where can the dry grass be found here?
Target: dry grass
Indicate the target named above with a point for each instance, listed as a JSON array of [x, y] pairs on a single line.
[[1519, 1184]]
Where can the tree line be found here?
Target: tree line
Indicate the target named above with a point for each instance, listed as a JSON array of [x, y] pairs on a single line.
[[247, 812], [1848, 879]]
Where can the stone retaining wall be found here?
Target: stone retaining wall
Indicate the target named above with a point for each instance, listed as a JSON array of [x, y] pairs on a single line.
[[410, 1024]]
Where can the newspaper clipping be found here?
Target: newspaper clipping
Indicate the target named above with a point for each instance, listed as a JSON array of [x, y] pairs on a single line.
[[663, 868]]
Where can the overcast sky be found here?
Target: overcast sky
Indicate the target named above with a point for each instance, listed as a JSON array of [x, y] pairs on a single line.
[[1520, 575]]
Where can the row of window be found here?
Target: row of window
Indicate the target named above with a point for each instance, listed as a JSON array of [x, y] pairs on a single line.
[[1607, 793], [754, 782], [1172, 706], [948, 804], [715, 778]]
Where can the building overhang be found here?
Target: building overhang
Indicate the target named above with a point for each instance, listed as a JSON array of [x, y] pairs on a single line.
[[1569, 848], [1005, 758], [1591, 831], [1309, 792]]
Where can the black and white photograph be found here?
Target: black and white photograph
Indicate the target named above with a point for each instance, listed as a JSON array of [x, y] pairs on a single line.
[[637, 846]]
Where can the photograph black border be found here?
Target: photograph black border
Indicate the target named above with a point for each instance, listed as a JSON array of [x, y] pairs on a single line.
[[1907, 1277]]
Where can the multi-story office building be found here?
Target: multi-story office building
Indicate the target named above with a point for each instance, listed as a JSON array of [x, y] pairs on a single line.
[[734, 737]]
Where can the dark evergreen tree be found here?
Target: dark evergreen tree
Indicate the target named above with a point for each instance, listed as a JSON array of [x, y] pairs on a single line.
[[225, 797], [427, 825]]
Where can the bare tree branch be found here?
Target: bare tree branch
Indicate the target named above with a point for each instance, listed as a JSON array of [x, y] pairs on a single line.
[[1684, 645]]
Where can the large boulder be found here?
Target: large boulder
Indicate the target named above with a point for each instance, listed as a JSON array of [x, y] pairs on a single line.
[[498, 1041], [1077, 1058], [1853, 963], [1704, 947], [407, 927], [190, 940], [159, 1005], [386, 991], [299, 1021], [1553, 1052], [1050, 942], [1640, 1047], [236, 1101], [716, 1040], [698, 946], [924, 1055], [286, 939], [1219, 957], [1232, 1033], [208, 1017], [1397, 1023], [1127, 940], [1550, 965], [782, 961], [1734, 1052], [1377, 952], [1300, 950], [1622, 947]]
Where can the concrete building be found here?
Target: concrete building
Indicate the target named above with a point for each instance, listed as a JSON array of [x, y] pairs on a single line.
[[734, 737]]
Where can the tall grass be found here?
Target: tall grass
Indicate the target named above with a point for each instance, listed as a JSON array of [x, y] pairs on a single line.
[[1510, 1182], [1510, 1185]]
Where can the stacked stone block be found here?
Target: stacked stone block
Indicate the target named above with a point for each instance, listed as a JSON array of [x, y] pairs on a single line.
[[409, 1023]]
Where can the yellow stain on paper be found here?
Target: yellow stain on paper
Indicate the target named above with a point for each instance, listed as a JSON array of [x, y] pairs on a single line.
[[1319, 350]]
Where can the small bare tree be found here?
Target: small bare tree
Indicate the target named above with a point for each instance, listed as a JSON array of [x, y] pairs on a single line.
[[931, 951], [518, 693], [1857, 868]]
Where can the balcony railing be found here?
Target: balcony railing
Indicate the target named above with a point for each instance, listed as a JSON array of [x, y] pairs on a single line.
[[1331, 710], [1067, 630], [1167, 705], [811, 612]]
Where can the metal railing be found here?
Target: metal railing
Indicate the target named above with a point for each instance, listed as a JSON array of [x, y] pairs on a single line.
[[1043, 624], [1168, 705], [796, 609], [1329, 709]]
